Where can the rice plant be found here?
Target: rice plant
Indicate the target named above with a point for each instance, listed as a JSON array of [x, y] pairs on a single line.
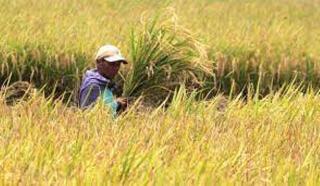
[[164, 56], [260, 49], [271, 141]]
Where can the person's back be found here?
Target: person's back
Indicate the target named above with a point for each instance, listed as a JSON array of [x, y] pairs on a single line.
[[97, 82]]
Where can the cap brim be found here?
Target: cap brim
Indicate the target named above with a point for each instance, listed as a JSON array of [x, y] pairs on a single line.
[[116, 58]]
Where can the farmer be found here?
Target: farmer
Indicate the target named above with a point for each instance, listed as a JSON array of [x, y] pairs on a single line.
[[98, 82]]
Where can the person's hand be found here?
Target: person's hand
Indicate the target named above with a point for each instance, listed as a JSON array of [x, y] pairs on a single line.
[[123, 102]]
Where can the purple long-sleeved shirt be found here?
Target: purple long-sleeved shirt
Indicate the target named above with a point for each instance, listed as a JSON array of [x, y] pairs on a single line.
[[93, 85]]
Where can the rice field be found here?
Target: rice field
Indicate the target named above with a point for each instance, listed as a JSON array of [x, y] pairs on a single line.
[[225, 92]]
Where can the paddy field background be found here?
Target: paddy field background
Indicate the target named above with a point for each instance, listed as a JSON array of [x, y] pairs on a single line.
[[231, 86]]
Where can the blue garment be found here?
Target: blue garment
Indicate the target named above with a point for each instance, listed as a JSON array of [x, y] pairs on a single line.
[[109, 100], [93, 85]]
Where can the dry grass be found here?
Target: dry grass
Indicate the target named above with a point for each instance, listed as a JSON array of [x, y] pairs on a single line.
[[270, 141], [252, 46]]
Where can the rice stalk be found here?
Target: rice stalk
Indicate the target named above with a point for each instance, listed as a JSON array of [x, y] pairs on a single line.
[[164, 56]]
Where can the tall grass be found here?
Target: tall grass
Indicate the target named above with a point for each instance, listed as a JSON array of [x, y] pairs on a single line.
[[37, 64], [199, 48], [273, 141], [164, 56], [248, 40]]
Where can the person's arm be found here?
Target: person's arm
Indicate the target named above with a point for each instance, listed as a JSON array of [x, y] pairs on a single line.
[[89, 95], [117, 91]]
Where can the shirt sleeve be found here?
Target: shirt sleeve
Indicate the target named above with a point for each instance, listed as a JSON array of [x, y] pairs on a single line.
[[89, 95]]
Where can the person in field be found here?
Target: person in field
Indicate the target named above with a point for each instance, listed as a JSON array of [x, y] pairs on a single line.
[[97, 83]]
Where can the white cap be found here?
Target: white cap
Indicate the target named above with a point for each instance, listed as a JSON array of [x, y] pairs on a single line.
[[110, 53]]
